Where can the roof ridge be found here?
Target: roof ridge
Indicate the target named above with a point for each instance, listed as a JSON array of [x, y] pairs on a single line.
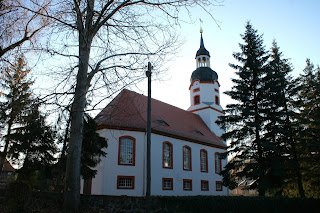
[[155, 99]]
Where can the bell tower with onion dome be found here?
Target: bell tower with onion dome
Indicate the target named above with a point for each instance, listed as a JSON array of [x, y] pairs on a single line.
[[204, 90]]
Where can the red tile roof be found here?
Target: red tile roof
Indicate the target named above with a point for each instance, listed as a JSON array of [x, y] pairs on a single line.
[[128, 111]]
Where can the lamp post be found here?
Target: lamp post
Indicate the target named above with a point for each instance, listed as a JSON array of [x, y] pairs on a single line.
[[148, 74]]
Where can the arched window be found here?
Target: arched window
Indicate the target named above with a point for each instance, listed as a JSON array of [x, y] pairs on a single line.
[[127, 149], [187, 158], [203, 160], [167, 155], [196, 99]]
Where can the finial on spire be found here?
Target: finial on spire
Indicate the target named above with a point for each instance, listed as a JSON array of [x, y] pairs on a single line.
[[201, 30]]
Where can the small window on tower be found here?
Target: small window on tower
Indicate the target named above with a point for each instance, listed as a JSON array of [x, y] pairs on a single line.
[[196, 99], [216, 90], [217, 100], [196, 90]]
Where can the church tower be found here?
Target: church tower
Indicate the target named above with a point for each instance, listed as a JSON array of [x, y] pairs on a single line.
[[204, 91]]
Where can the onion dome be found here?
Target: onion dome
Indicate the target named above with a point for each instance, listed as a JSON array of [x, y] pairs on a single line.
[[204, 74]]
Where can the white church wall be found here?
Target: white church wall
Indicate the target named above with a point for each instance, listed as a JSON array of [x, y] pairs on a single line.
[[209, 116], [105, 181], [178, 174]]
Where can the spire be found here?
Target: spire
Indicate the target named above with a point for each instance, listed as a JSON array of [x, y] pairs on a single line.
[[202, 50], [201, 39]]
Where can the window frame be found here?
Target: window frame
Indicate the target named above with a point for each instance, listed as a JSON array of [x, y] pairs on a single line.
[[217, 158], [196, 89], [123, 176], [206, 161], [218, 183], [171, 155], [133, 151], [217, 122], [184, 181], [183, 158], [204, 181], [194, 100], [167, 179]]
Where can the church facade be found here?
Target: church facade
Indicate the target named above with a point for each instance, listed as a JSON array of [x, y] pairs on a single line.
[[185, 144]]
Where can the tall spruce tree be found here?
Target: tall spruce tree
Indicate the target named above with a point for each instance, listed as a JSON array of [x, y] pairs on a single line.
[[15, 100], [244, 121], [308, 85], [35, 141], [280, 127]]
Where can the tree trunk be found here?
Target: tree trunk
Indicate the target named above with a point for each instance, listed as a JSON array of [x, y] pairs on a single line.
[[72, 185], [297, 171], [261, 186], [297, 168]]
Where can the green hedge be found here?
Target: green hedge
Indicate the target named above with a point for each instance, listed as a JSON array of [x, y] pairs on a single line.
[[238, 204]]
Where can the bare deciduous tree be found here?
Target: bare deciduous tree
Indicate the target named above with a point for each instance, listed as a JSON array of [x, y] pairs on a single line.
[[19, 25]]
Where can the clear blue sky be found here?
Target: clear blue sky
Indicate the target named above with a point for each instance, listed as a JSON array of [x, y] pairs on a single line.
[[295, 24]]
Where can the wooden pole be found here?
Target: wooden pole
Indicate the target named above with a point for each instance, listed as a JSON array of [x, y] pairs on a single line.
[[148, 73]]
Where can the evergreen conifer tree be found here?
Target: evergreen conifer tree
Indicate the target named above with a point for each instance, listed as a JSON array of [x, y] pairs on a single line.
[[92, 148], [15, 100], [244, 121], [35, 141], [308, 85], [280, 127]]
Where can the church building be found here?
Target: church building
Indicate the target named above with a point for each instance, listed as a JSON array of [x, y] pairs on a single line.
[[185, 144]]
